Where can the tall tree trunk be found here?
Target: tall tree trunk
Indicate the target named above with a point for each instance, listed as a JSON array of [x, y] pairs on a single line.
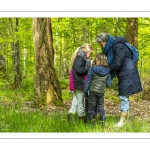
[[15, 52], [132, 31], [18, 75], [47, 89], [24, 63], [57, 41], [60, 58]]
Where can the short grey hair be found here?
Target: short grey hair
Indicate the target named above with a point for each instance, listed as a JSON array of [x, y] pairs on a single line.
[[102, 37]]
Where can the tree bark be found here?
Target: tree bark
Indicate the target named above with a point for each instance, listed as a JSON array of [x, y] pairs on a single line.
[[47, 89], [132, 32], [18, 75], [15, 52]]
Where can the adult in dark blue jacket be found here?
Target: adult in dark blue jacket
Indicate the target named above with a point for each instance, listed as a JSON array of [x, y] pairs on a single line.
[[97, 79], [121, 63]]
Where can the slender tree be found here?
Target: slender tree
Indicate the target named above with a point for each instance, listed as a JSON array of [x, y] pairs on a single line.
[[15, 52], [47, 89], [132, 31]]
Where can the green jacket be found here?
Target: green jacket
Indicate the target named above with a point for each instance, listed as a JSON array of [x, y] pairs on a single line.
[[98, 84]]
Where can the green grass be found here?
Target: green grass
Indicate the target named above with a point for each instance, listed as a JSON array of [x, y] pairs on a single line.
[[24, 120], [66, 95], [9, 94], [16, 117]]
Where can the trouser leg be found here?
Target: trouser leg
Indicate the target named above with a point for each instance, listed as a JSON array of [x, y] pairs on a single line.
[[73, 108], [92, 101], [80, 101], [124, 107], [101, 111]]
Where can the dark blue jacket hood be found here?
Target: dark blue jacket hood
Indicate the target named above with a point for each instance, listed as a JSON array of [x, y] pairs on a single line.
[[119, 39], [100, 70]]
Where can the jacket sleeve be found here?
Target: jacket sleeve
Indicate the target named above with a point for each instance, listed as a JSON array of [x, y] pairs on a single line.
[[119, 55], [79, 66], [109, 80], [88, 64], [88, 81]]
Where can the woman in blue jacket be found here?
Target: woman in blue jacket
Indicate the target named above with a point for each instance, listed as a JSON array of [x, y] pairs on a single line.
[[121, 63]]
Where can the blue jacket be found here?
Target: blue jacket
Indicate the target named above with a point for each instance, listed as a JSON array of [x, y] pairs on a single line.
[[97, 79], [126, 70]]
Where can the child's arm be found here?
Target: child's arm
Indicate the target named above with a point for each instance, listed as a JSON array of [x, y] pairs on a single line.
[[88, 81], [109, 80]]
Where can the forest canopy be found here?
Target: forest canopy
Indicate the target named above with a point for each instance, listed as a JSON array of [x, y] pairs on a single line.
[[17, 46]]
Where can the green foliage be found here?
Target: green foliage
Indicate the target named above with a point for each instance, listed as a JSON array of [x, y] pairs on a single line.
[[64, 83], [143, 45], [58, 102], [68, 34], [66, 95], [25, 38], [25, 93]]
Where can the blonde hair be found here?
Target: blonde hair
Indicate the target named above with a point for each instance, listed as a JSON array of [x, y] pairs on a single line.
[[100, 60], [83, 47]]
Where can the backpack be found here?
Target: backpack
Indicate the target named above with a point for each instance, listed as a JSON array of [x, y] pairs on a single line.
[[71, 81], [134, 51]]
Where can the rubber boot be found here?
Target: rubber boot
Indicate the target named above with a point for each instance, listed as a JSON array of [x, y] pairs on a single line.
[[71, 118], [102, 121], [83, 118], [122, 119], [91, 120]]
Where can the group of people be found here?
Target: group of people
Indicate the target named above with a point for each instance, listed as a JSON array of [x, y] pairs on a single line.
[[88, 95]]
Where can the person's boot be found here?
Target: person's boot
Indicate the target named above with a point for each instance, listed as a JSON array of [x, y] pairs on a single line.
[[122, 119], [102, 121], [71, 118], [83, 118], [91, 120]]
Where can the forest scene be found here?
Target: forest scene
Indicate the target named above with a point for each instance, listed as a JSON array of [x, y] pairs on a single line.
[[35, 62]]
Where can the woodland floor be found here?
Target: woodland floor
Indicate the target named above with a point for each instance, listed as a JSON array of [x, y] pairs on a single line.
[[137, 108], [140, 109]]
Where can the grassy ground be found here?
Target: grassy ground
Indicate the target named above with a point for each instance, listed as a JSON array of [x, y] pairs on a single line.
[[18, 115], [19, 118]]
